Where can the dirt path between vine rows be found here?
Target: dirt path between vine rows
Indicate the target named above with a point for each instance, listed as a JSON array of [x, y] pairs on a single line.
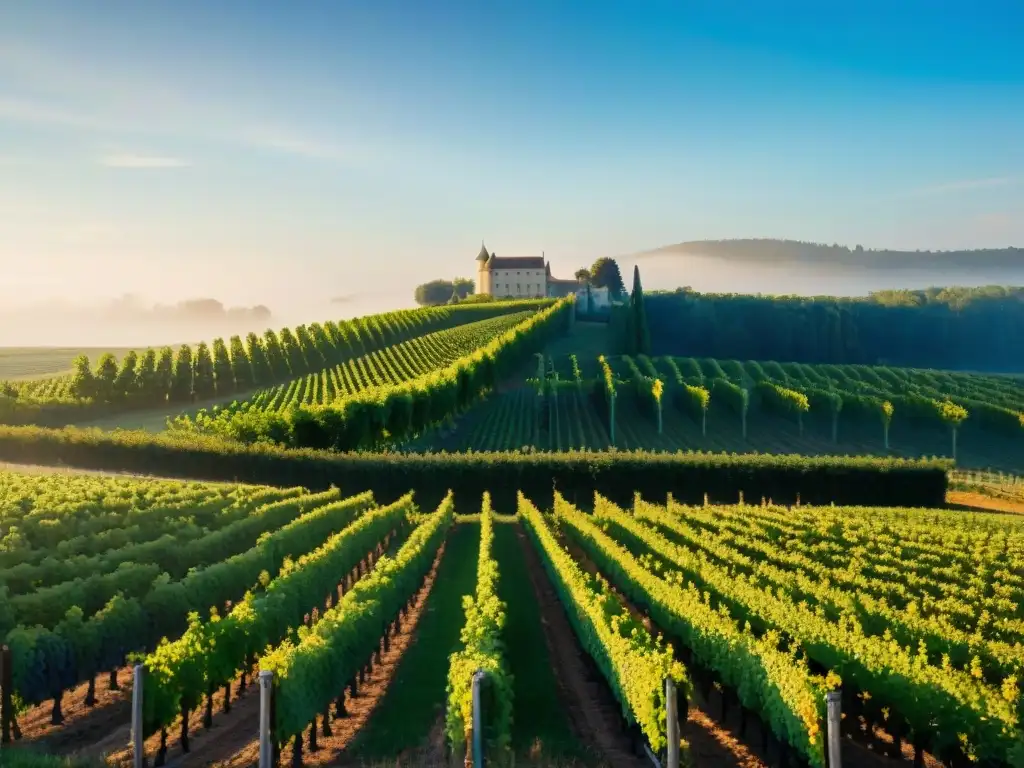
[[242, 749], [711, 744], [82, 725], [729, 741]]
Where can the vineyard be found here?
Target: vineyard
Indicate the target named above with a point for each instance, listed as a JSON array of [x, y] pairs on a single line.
[[377, 399], [671, 404], [395, 365], [590, 623], [541, 553], [159, 378]]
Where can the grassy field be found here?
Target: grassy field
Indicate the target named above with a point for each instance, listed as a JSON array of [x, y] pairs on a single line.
[[24, 363]]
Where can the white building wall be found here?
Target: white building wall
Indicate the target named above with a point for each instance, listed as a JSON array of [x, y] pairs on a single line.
[[483, 280], [518, 283]]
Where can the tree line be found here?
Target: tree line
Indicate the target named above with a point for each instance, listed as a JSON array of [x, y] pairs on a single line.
[[439, 292], [769, 251], [980, 329]]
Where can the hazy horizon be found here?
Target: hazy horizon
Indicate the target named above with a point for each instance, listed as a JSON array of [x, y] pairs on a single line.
[[277, 156], [95, 324]]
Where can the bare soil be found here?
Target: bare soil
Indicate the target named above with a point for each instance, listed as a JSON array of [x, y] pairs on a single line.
[[980, 501], [82, 725], [232, 741]]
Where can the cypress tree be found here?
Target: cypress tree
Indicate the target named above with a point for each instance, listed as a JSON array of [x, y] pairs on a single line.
[[83, 383], [145, 377], [312, 357], [181, 385], [164, 375], [222, 373], [292, 353], [203, 381], [106, 376], [324, 349], [259, 365], [338, 341], [641, 342], [126, 383], [356, 337], [241, 367], [275, 356]]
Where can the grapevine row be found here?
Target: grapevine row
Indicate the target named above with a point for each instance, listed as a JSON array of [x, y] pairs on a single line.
[[766, 678], [944, 708], [481, 650], [634, 663], [313, 672], [48, 661], [155, 377], [211, 653], [390, 414]]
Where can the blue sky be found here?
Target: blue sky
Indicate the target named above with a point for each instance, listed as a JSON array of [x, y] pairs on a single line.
[[285, 153]]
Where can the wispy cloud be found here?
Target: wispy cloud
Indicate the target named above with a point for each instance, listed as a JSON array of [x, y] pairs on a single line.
[[299, 146], [142, 162], [38, 113], [62, 94], [965, 185]]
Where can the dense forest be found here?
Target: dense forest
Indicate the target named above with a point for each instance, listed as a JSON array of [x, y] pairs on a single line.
[[958, 328], [769, 251]]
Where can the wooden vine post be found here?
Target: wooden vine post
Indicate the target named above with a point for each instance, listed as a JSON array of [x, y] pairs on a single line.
[[672, 724], [835, 717], [266, 681], [137, 735]]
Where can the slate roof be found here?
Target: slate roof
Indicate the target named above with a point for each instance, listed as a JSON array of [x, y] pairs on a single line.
[[516, 262]]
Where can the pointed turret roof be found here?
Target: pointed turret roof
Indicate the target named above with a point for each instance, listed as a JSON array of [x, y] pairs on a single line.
[[483, 255]]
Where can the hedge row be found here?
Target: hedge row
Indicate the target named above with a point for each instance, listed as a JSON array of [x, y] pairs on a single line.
[[616, 474]]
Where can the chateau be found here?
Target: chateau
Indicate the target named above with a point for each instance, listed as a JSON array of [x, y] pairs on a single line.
[[518, 277]]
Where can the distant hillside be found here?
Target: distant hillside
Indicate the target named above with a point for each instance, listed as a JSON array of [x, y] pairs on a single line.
[[768, 251]]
